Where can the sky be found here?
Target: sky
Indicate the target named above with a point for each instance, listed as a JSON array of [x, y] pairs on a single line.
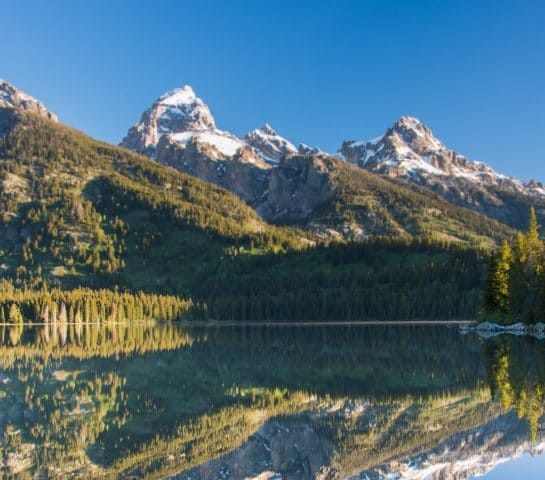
[[527, 467], [319, 72]]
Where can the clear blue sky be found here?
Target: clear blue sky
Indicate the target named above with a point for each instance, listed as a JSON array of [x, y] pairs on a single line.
[[317, 71], [525, 467]]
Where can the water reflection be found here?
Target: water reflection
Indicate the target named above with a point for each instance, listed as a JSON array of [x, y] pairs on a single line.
[[516, 368], [149, 401]]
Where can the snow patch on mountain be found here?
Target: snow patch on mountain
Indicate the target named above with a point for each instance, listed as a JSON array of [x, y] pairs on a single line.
[[225, 143], [460, 461]]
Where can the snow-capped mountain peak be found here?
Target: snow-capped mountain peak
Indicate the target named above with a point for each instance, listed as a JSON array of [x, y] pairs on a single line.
[[179, 130], [176, 111], [305, 149], [270, 146], [409, 149], [179, 96], [267, 129], [11, 97], [417, 135], [188, 111]]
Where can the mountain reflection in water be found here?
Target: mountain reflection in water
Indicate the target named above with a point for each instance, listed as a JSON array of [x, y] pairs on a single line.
[[218, 402]]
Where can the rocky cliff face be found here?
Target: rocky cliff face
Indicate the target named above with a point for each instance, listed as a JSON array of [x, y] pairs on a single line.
[[11, 97], [299, 185], [289, 449], [242, 172], [270, 146], [409, 150]]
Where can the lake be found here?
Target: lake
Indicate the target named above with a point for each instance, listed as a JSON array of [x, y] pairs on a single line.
[[299, 402]]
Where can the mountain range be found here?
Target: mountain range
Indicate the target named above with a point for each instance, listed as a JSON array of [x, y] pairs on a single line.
[[184, 207], [179, 130]]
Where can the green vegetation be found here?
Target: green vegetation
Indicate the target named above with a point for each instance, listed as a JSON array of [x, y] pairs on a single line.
[[84, 305], [516, 368], [80, 213], [58, 191], [515, 284], [392, 279]]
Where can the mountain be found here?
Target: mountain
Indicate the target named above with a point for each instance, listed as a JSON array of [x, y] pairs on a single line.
[[463, 456], [178, 130], [76, 211], [296, 186], [11, 97], [178, 110], [336, 199], [302, 445], [409, 150], [79, 212]]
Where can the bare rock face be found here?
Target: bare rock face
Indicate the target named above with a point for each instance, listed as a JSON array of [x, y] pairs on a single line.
[[299, 185], [410, 151], [242, 173], [289, 449], [11, 97]]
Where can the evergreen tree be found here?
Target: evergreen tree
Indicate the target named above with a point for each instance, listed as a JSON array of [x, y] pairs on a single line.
[[515, 282], [497, 288]]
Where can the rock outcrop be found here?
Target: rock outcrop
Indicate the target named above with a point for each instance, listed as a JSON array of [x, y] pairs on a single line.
[[11, 97], [270, 146], [299, 185], [242, 173]]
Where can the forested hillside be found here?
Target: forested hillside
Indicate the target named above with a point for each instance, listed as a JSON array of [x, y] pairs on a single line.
[[59, 189]]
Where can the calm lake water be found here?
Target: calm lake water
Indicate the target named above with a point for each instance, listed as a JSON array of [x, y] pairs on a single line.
[[230, 402]]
